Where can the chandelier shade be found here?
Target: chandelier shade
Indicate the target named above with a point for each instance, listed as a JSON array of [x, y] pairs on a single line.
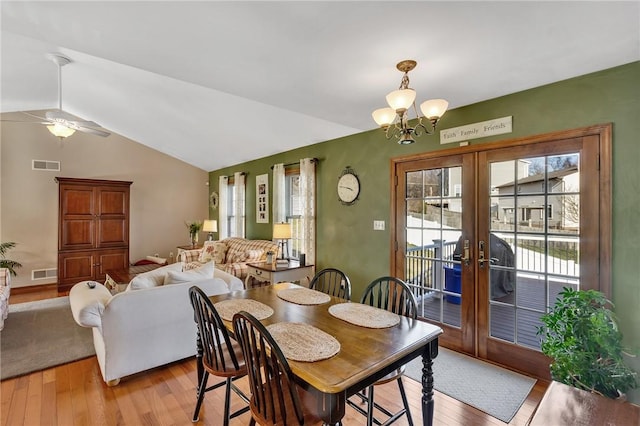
[[402, 99], [384, 116], [434, 108], [394, 120]]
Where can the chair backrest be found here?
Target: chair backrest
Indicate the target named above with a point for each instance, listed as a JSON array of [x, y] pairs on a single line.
[[391, 294], [218, 353], [332, 281], [274, 396]]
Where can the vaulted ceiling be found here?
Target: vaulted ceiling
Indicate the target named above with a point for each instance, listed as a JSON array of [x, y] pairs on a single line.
[[219, 83]]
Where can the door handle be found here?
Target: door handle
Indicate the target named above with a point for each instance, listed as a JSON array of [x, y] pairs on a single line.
[[466, 258], [481, 258]]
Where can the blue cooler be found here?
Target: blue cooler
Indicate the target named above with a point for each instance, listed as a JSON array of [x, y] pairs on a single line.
[[453, 283]]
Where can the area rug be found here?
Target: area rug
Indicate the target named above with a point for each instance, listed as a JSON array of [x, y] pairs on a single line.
[[39, 335], [494, 390]]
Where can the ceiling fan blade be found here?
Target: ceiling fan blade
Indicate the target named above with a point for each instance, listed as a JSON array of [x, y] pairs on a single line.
[[56, 115], [35, 116], [96, 132], [22, 121]]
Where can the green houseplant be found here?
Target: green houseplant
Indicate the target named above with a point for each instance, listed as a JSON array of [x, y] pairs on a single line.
[[581, 335], [194, 228], [8, 263]]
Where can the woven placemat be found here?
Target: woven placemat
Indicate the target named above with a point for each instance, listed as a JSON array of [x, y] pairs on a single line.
[[364, 315], [304, 296], [303, 342], [228, 308]]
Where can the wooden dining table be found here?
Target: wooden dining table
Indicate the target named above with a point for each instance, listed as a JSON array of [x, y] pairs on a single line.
[[366, 354]]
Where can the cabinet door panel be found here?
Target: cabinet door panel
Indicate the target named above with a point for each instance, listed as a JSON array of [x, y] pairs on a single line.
[[75, 267], [110, 259], [112, 232]]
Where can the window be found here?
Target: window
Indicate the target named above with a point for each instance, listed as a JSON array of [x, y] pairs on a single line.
[[232, 206], [293, 212]]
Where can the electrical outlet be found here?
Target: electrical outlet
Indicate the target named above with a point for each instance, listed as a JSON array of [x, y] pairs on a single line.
[[378, 225]]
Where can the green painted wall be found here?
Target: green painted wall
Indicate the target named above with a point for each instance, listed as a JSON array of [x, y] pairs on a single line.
[[346, 239]]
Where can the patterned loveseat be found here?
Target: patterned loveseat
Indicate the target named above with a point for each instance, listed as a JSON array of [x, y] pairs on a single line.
[[230, 255], [5, 290]]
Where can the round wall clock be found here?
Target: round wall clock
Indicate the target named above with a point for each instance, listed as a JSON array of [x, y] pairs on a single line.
[[213, 200], [348, 187]]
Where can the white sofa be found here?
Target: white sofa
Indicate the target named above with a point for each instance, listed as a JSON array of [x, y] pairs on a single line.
[[136, 330]]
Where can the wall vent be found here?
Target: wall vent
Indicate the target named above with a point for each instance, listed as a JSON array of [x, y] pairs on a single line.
[[51, 166], [43, 274]]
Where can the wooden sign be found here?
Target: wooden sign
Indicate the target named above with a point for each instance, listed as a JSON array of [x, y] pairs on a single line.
[[496, 126]]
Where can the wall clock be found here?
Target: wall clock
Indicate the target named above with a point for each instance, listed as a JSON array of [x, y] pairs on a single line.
[[348, 187], [213, 200]]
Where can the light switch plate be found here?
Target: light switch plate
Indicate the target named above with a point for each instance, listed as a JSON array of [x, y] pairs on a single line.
[[378, 225]]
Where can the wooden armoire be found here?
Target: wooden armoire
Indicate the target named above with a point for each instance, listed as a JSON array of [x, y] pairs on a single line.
[[93, 229]]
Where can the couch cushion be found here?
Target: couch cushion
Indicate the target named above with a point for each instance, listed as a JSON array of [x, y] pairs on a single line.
[[205, 271]]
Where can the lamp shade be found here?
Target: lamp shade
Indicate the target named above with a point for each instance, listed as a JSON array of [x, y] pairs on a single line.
[[434, 108], [384, 116], [281, 231], [401, 99], [60, 131], [210, 226]]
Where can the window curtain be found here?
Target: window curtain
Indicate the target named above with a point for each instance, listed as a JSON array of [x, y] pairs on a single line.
[[223, 207], [238, 198], [279, 195], [308, 203]]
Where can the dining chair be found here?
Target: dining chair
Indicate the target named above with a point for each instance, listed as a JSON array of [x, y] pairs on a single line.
[[332, 281], [221, 356], [394, 295], [275, 398]]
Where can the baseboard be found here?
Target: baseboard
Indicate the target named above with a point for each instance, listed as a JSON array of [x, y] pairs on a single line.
[[34, 288]]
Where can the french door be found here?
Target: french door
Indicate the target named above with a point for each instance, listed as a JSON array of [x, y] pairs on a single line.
[[487, 238]]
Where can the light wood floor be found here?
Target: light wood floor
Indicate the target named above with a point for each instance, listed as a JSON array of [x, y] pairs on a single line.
[[74, 394]]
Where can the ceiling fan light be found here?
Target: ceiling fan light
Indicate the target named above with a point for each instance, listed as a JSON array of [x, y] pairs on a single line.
[[60, 131], [384, 116], [434, 108], [402, 99]]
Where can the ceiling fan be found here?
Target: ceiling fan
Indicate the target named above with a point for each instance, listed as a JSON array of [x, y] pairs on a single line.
[[61, 123]]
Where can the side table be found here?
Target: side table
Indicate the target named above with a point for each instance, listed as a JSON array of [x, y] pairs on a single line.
[[291, 272], [117, 278]]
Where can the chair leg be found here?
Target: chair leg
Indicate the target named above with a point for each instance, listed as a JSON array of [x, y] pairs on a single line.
[[370, 407], [227, 398], [404, 401], [201, 391]]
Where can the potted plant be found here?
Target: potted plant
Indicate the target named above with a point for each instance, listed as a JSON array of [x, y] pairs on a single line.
[[8, 263], [581, 335], [194, 228]]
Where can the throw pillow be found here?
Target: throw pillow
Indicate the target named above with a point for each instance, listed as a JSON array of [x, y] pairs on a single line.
[[191, 265], [206, 253], [219, 252], [153, 278], [175, 277], [254, 255]]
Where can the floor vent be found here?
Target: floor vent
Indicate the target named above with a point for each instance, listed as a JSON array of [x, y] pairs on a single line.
[[52, 166], [43, 274]]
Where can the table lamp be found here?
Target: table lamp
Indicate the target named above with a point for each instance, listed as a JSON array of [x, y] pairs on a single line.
[[282, 232], [210, 226]]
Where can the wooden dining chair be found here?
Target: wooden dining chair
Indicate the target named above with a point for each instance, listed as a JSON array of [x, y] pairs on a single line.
[[332, 281], [275, 398], [394, 295], [221, 356]]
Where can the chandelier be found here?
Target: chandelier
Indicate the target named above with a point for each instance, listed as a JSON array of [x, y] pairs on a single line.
[[395, 118]]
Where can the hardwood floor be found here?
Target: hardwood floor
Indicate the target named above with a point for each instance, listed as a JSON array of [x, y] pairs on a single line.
[[74, 394]]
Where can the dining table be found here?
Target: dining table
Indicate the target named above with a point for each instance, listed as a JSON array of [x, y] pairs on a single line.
[[365, 354]]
